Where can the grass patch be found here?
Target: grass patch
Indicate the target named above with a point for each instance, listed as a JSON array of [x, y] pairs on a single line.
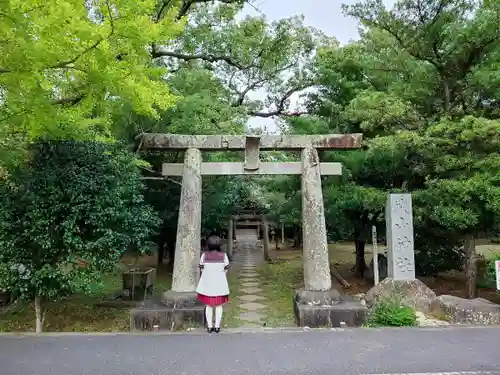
[[344, 252], [488, 250], [230, 319], [279, 281], [79, 313]]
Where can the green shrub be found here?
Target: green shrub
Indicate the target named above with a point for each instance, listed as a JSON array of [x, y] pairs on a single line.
[[390, 313], [436, 251]]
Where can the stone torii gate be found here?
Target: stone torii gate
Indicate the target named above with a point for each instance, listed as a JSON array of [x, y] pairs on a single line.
[[317, 280], [245, 220], [257, 221]]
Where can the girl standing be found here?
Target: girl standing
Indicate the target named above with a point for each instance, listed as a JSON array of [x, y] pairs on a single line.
[[213, 289]]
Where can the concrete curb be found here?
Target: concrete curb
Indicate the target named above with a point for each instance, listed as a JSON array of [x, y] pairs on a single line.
[[233, 331]]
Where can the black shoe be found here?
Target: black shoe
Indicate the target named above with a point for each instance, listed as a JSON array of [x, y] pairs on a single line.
[[217, 330], [210, 330]]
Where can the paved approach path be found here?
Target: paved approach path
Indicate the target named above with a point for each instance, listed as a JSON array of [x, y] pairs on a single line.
[[349, 352], [247, 257]]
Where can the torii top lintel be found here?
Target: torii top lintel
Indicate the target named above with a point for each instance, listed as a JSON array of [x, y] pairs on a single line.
[[157, 141]]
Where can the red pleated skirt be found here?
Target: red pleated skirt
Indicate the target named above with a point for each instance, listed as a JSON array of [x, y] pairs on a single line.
[[213, 301]]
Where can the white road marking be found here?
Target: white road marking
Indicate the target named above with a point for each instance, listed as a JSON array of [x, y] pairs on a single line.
[[444, 373]]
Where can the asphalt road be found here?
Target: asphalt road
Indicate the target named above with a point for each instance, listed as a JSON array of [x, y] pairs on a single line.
[[352, 351]]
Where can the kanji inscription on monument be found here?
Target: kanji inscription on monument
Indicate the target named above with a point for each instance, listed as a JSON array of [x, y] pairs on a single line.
[[400, 246]]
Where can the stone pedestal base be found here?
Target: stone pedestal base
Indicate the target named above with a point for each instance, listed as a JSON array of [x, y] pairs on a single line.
[[173, 311], [327, 309], [411, 293]]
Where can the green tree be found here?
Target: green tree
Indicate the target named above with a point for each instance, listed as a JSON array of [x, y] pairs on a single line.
[[462, 188], [73, 201], [446, 47], [82, 64], [247, 55], [75, 62]]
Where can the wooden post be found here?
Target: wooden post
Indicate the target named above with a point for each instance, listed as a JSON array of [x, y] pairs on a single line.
[[375, 255], [283, 233], [276, 238], [471, 265], [265, 239], [230, 238]]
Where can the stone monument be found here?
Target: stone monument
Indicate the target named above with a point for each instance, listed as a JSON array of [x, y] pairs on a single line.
[[399, 234], [401, 283]]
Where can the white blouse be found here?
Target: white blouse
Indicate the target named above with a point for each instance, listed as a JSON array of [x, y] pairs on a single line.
[[213, 280]]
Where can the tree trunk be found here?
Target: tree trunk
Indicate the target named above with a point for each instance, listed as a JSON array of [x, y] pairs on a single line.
[[40, 314], [171, 251], [447, 95], [360, 266], [161, 253], [470, 265], [296, 237]]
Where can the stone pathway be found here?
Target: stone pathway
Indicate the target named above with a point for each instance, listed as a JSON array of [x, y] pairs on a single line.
[[247, 257]]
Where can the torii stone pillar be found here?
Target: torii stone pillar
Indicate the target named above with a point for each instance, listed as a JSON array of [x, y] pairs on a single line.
[[187, 245], [315, 245], [317, 304]]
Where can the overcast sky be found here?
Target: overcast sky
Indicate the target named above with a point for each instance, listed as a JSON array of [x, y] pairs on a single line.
[[325, 15]]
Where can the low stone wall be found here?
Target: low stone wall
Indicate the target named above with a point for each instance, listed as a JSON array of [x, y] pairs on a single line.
[[417, 295], [172, 311], [166, 319], [469, 311]]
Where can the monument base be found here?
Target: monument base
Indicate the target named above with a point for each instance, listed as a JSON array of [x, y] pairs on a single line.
[[412, 293], [173, 311], [327, 309]]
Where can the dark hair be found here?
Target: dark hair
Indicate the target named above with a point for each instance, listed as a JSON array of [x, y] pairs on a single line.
[[213, 246]]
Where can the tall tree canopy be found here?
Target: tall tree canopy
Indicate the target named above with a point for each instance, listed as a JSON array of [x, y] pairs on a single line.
[[74, 62]]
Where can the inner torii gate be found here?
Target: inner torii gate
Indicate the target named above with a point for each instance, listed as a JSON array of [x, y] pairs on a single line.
[[317, 280], [258, 222]]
